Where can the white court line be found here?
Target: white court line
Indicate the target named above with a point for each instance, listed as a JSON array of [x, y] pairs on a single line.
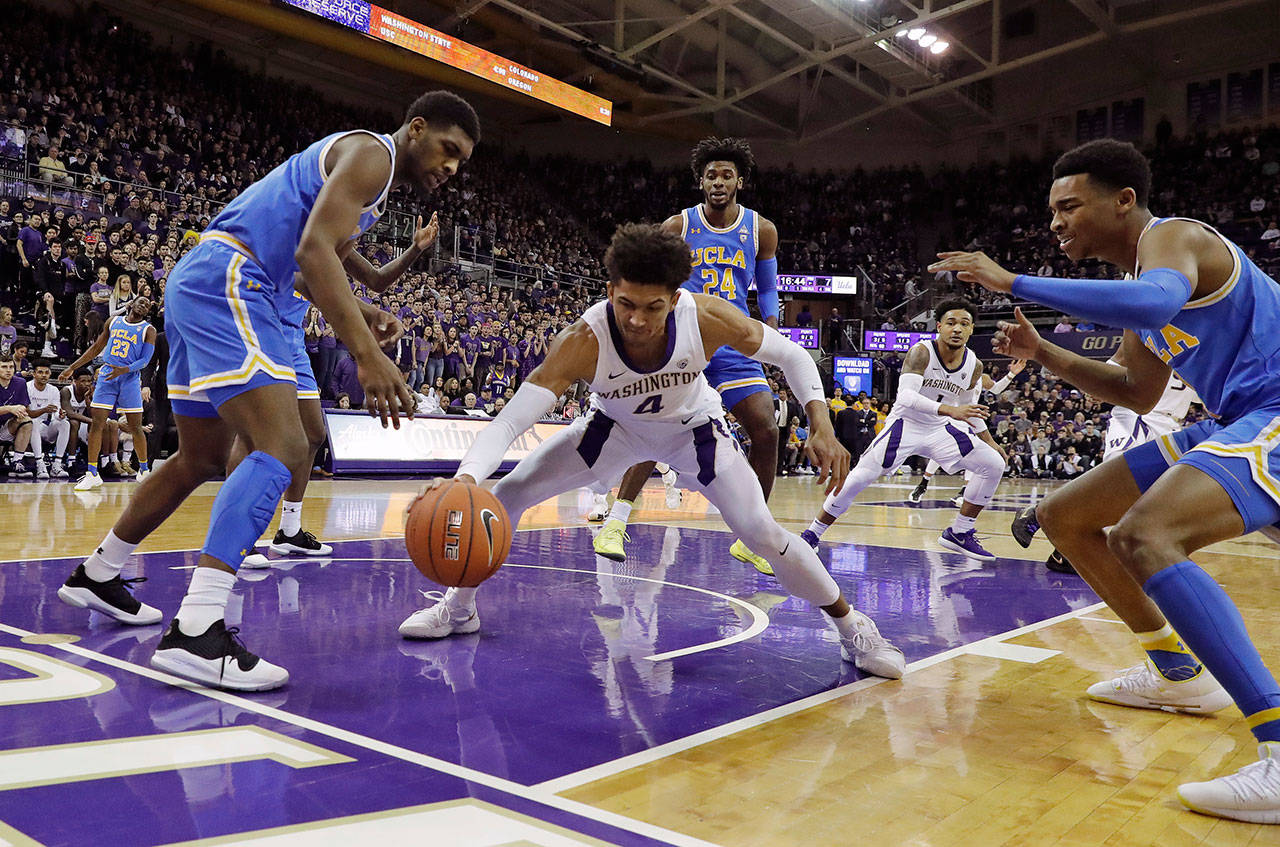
[[1102, 620], [759, 620], [259, 543], [533, 793], [653, 754]]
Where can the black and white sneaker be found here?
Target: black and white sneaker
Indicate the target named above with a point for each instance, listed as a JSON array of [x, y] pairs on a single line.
[[917, 493], [1058, 563], [217, 658], [302, 542], [1025, 526], [112, 598]]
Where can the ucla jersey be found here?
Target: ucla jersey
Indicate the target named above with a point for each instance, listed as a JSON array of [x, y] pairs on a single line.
[[724, 260], [267, 220], [124, 342], [1226, 345]]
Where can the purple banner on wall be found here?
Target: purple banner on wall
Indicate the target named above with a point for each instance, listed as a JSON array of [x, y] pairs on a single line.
[[1204, 104], [1091, 124], [1244, 96], [1127, 119], [1098, 344]]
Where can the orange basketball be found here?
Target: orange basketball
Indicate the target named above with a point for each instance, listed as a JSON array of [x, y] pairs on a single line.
[[458, 534]]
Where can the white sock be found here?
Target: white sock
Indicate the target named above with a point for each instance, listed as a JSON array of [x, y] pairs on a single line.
[[847, 625], [818, 527], [620, 511], [962, 524], [108, 560], [461, 599], [205, 601], [291, 517]]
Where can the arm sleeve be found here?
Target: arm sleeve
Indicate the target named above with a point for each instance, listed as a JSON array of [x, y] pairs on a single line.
[[528, 405], [148, 350], [909, 395], [797, 365], [1001, 384], [767, 287], [1149, 302]]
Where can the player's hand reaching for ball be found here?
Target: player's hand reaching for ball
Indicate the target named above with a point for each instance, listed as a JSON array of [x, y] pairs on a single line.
[[975, 267], [386, 394], [830, 458], [1016, 338], [436, 483], [386, 327], [425, 236]]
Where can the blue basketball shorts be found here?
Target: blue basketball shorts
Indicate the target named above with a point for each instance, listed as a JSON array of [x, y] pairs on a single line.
[[225, 333], [308, 389], [123, 393], [735, 376], [1243, 457]]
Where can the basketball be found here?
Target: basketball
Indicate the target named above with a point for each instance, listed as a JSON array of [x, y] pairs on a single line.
[[458, 534]]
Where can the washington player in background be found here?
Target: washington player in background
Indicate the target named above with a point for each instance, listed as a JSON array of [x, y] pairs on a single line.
[[732, 247], [1197, 304], [642, 351], [931, 417], [996, 387], [1126, 429]]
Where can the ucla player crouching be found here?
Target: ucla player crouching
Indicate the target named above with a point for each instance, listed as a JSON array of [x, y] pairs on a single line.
[[127, 343], [643, 351], [733, 248], [931, 417], [291, 538], [1196, 305], [230, 367], [1126, 429]]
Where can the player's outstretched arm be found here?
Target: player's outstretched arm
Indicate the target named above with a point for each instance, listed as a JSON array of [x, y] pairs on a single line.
[[572, 357], [380, 279], [1135, 384], [358, 171], [722, 324], [99, 344], [767, 273]]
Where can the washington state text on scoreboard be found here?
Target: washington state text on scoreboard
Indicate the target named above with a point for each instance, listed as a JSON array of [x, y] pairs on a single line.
[[377, 22]]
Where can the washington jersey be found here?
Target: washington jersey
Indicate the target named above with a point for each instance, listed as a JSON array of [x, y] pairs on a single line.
[[124, 341], [1226, 345], [672, 395], [267, 220], [47, 396], [724, 260], [78, 406], [940, 384]]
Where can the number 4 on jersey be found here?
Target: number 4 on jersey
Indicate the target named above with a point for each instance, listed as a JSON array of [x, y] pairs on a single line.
[[651, 405]]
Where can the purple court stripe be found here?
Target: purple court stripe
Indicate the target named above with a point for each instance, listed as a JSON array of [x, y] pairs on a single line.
[[594, 437], [963, 441]]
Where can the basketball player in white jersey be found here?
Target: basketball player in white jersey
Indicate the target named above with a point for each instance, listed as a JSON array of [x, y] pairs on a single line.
[[996, 387], [50, 424], [642, 351], [937, 400], [75, 405], [1125, 430]]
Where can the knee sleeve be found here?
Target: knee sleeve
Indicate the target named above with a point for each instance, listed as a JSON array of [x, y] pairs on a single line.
[[800, 571], [245, 506], [862, 475], [987, 467]]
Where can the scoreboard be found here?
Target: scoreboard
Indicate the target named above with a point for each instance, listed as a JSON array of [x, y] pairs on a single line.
[[888, 339], [805, 336]]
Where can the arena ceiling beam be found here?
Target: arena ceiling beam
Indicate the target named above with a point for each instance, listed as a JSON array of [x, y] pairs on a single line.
[[1032, 58], [1097, 15]]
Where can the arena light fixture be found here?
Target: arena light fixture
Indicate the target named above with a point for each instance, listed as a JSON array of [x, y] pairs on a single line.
[[939, 46], [927, 39], [902, 33], [915, 33]]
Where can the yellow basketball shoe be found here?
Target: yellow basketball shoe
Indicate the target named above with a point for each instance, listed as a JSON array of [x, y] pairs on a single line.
[[743, 553], [609, 540]]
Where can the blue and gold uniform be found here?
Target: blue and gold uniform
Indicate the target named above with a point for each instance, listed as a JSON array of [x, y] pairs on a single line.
[[233, 318], [1227, 347], [126, 347], [724, 263]]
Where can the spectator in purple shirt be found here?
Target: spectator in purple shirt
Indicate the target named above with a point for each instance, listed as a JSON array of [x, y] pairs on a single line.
[[346, 381], [8, 332], [452, 354], [15, 419]]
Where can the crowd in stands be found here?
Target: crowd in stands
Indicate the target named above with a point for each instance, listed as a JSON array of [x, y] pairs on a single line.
[[133, 148]]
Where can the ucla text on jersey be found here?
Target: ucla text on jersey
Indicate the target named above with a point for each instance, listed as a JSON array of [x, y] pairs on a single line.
[[724, 259]]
